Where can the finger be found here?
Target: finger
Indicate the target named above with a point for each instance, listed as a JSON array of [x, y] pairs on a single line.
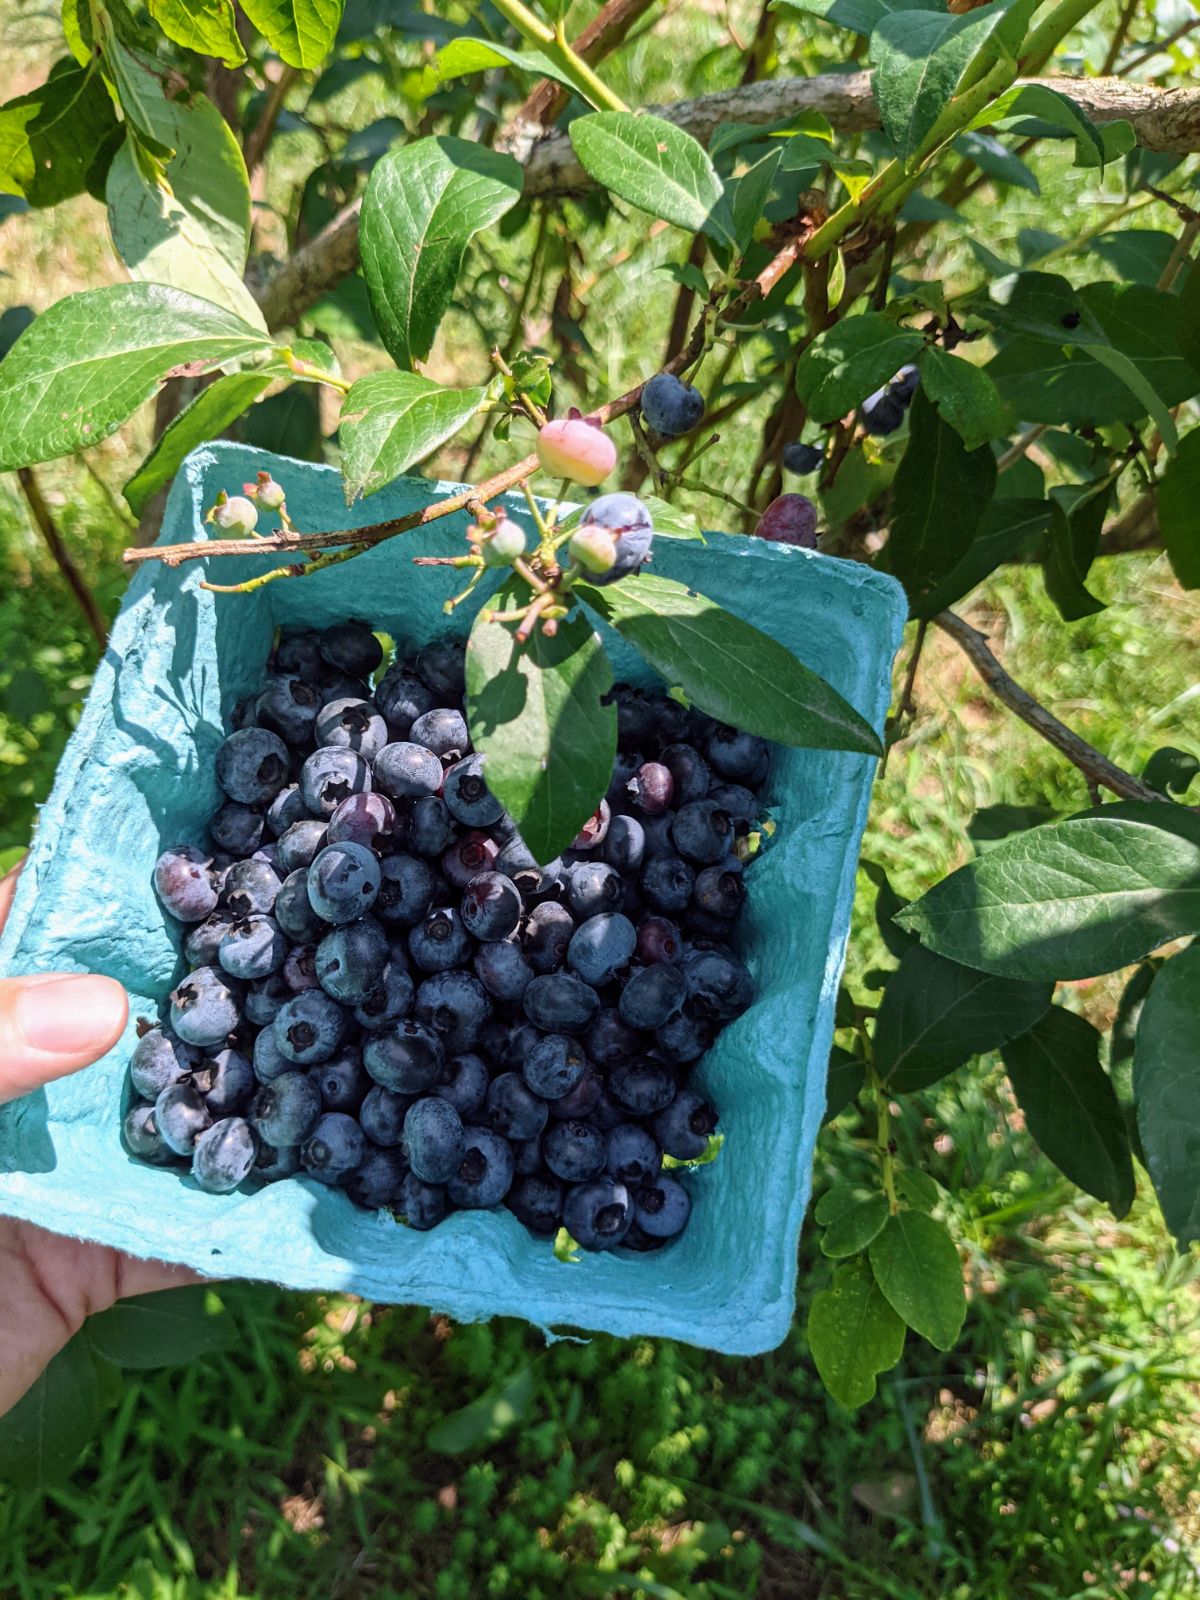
[[135, 1276], [53, 1024]]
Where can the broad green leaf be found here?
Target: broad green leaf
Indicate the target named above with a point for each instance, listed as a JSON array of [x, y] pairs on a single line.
[[653, 165], [207, 26], [1036, 100], [206, 417], [687, 274], [854, 1228], [853, 1334], [860, 16], [49, 137], [1138, 255], [1070, 1106], [1076, 520], [1178, 498], [1071, 899], [918, 1188], [1149, 327], [994, 158], [486, 1420], [44, 1434], [940, 493], [844, 1081], [1166, 1088], [919, 58], [191, 229], [168, 1329], [1044, 304], [423, 205], [937, 1015], [887, 904], [1006, 528], [728, 668], [535, 712], [918, 1271], [670, 522], [835, 1202], [91, 359], [79, 30], [465, 56], [1131, 375], [137, 79], [301, 32], [844, 364], [992, 824], [964, 396], [748, 195], [391, 420]]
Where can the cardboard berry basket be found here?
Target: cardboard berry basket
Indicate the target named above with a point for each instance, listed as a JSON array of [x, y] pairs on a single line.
[[138, 775]]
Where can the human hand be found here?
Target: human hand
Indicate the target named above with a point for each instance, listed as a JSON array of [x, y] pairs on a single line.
[[50, 1025]]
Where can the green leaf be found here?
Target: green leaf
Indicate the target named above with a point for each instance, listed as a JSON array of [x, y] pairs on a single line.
[[191, 228], [45, 1433], [423, 205], [940, 493], [1071, 899], [854, 1228], [918, 1188], [937, 1015], [1036, 100], [486, 1420], [887, 904], [844, 1082], [728, 668], [1166, 1087], [79, 30], [687, 274], [1178, 497], [965, 396], [860, 16], [1138, 255], [853, 1334], [992, 824], [464, 56], [919, 58], [917, 1269], [301, 32], [846, 362], [1070, 1106], [535, 712], [1170, 771], [670, 522], [391, 420], [167, 1329], [1076, 520], [1006, 527], [49, 137], [749, 193], [208, 27], [1189, 317], [137, 79], [91, 359], [206, 417], [994, 158], [653, 165]]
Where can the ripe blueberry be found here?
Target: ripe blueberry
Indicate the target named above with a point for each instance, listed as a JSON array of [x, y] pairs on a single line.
[[670, 406]]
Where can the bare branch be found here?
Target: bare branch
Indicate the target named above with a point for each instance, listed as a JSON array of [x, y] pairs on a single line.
[[48, 528]]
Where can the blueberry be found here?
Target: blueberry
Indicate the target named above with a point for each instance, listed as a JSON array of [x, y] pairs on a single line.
[[264, 998], [285, 1111], [625, 764], [181, 1117], [184, 886], [537, 1201], [237, 828], [636, 721], [343, 882], [204, 1007], [601, 947], [402, 698], [407, 886], [657, 834], [559, 1002], [268, 1059], [527, 1154], [670, 406], [574, 1151], [442, 665], [554, 1066], [642, 1087], [300, 970], [367, 819], [381, 1115], [491, 907], [330, 776], [390, 1000], [226, 1080], [309, 1029], [465, 859], [444, 731], [652, 788], [547, 936], [252, 766], [334, 1148], [597, 1214], [470, 800], [684, 1038], [638, 1239], [658, 939], [905, 383], [351, 960], [287, 807], [702, 832], [882, 413], [351, 647], [299, 655], [689, 772], [789, 519], [512, 1109], [422, 1205], [662, 1207], [463, 1082], [224, 1155], [683, 1127], [288, 707], [352, 724], [593, 887], [407, 771], [267, 853], [251, 888], [378, 1180], [667, 882], [293, 910], [433, 1139], [631, 1155], [802, 458], [624, 844], [610, 1040], [581, 1101], [503, 970], [737, 757], [595, 829], [516, 861], [273, 1163], [431, 829], [300, 844], [160, 1059], [342, 1081], [440, 941], [485, 1173], [252, 948], [653, 996], [743, 806], [406, 1057], [202, 946], [720, 891], [719, 986], [455, 1005], [142, 1138]]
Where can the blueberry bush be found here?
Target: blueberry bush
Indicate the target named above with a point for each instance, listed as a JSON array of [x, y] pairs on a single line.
[[1029, 400]]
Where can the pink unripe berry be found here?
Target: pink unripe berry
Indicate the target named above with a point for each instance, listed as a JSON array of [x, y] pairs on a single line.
[[236, 515], [593, 548], [504, 545], [572, 447]]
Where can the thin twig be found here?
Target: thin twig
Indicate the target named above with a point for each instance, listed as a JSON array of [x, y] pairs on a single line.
[[1096, 768], [259, 137], [1015, 451], [1157, 49], [1179, 255], [48, 528], [1117, 43]]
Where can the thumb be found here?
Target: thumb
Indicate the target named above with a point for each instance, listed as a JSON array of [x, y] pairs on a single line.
[[54, 1023]]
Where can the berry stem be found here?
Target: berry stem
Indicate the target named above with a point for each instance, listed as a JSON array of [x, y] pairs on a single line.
[[315, 374], [883, 1128]]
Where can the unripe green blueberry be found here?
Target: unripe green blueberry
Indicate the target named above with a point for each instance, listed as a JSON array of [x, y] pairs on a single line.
[[572, 447], [236, 515], [594, 548], [268, 493], [504, 545]]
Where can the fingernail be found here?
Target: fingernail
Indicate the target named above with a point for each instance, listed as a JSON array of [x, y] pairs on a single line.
[[71, 1015]]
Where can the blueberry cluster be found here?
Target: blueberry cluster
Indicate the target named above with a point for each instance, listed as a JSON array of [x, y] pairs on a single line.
[[386, 990]]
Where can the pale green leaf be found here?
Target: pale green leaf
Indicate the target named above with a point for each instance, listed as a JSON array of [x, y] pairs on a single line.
[[653, 165], [207, 26], [853, 1334], [392, 420], [301, 32]]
